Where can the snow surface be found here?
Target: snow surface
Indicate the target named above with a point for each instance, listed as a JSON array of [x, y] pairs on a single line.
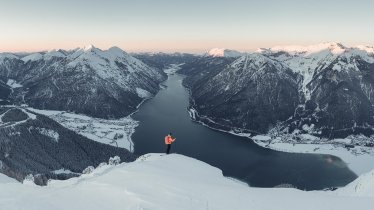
[[193, 113], [53, 54], [4, 179], [62, 171], [362, 186], [4, 56], [49, 133], [222, 52], [174, 181], [261, 138], [113, 132], [335, 48], [368, 49], [13, 84], [32, 57], [173, 68], [143, 93]]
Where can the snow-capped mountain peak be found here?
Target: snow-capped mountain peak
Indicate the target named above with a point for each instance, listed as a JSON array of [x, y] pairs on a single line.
[[53, 53], [368, 49], [116, 52], [222, 52], [7, 55], [255, 61], [333, 47], [88, 47], [32, 57]]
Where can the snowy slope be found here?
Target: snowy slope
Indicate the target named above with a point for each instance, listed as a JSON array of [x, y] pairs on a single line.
[[32, 57], [4, 179], [4, 56], [362, 186], [168, 182]]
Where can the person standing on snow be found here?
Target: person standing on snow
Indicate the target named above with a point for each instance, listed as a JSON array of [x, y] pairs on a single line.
[[168, 141]]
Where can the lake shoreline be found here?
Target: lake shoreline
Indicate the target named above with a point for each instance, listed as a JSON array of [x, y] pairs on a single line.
[[359, 163]]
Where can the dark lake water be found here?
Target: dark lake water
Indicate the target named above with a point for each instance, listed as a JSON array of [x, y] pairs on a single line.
[[236, 156]]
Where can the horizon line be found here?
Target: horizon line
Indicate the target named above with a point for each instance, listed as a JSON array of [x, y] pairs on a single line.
[[170, 51]]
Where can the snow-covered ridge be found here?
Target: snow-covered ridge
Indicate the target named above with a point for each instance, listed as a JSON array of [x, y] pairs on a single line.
[[32, 57], [222, 52], [334, 47], [368, 49], [89, 54], [362, 186], [254, 60], [311, 60], [7, 56], [174, 181]]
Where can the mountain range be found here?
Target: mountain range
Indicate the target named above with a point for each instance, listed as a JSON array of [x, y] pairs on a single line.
[[325, 90], [100, 83]]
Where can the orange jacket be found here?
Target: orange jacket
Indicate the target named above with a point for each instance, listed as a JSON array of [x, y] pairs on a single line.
[[168, 139]]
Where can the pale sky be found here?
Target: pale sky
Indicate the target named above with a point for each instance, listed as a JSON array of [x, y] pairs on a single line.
[[186, 26]]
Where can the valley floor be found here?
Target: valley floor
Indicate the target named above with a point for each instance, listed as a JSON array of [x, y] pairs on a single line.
[[174, 181], [113, 132]]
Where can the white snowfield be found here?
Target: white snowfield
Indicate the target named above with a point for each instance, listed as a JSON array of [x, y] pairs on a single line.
[[174, 182], [13, 84], [113, 132]]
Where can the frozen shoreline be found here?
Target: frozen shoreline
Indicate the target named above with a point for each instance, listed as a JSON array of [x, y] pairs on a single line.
[[359, 159]]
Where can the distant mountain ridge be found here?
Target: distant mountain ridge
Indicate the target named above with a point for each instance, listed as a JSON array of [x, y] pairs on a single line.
[[222, 52]]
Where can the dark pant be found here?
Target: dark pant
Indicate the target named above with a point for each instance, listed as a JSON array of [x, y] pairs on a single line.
[[168, 148]]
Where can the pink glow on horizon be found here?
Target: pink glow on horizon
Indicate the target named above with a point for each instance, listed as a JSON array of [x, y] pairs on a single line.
[[188, 46]]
